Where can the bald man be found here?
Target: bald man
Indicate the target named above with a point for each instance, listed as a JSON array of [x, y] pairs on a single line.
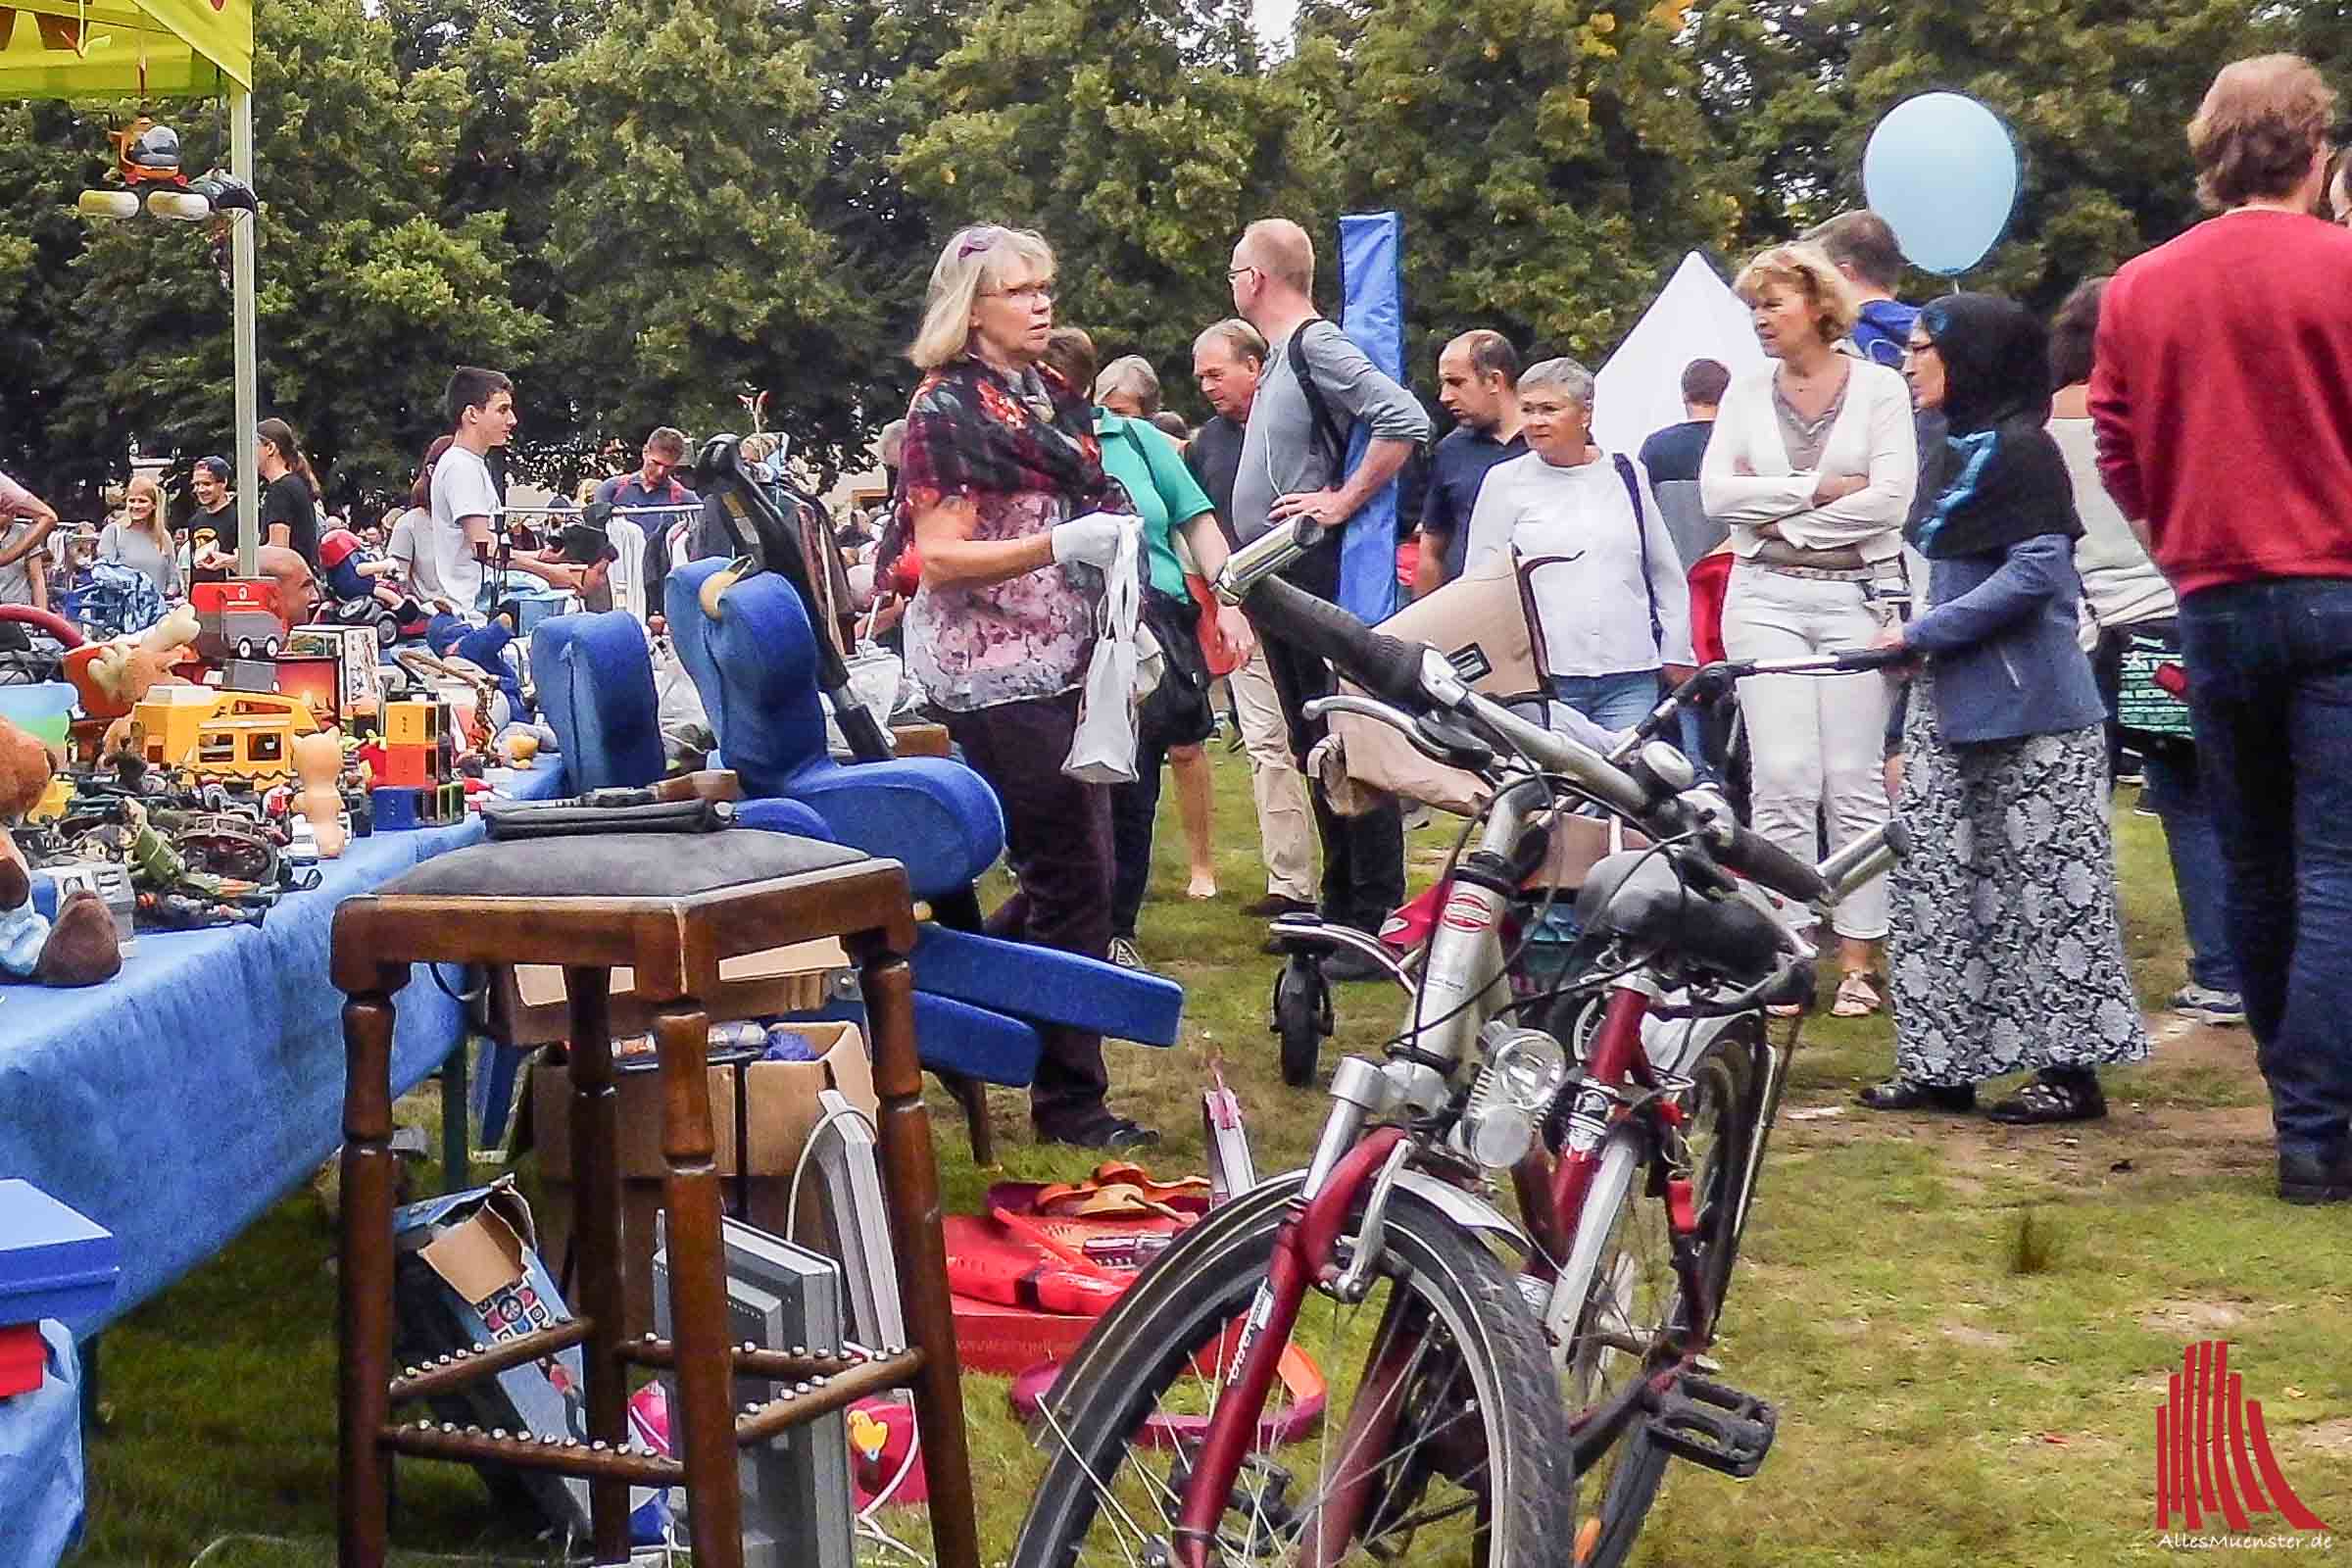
[[1293, 469]]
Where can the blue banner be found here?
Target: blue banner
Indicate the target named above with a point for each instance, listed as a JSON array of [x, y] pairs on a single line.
[[1372, 314]]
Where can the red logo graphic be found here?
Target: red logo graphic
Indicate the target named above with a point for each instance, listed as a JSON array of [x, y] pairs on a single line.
[[2206, 1429]]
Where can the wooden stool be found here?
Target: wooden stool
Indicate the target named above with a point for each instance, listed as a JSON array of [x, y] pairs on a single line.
[[671, 907]]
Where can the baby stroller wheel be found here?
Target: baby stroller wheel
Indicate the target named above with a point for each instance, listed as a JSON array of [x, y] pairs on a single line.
[[1302, 1016]]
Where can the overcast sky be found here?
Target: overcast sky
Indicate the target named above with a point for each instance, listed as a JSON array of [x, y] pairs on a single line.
[[1274, 22]]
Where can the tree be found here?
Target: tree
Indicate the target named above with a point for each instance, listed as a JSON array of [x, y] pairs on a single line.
[[688, 140], [1550, 160], [366, 299], [1139, 138], [2096, 93]]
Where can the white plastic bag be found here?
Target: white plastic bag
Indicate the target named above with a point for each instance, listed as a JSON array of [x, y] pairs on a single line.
[[1103, 750]]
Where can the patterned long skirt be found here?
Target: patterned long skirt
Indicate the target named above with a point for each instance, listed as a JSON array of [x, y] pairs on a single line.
[[2006, 954]]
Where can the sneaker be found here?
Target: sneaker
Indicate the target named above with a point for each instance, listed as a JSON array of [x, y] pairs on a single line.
[[2204, 1004], [1124, 952]]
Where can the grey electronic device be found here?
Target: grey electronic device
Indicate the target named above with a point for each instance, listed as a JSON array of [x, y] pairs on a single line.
[[851, 1195], [797, 1508]]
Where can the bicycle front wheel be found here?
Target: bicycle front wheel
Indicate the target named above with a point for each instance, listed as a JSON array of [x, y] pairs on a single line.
[[1621, 1268], [1444, 1359]]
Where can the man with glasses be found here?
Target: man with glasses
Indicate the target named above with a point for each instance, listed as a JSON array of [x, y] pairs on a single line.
[[1290, 470], [654, 484]]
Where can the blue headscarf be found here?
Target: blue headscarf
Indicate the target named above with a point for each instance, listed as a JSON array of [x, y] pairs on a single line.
[[2008, 480]]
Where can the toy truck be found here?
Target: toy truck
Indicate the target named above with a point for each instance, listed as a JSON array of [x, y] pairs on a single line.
[[237, 618]]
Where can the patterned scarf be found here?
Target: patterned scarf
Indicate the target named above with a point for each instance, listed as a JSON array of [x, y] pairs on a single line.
[[971, 427]]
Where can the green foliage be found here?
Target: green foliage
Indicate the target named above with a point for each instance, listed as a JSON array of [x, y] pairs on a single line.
[[1551, 162], [1139, 138], [645, 209]]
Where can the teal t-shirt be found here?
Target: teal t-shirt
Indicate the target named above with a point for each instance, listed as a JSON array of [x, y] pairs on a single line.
[[1166, 496]]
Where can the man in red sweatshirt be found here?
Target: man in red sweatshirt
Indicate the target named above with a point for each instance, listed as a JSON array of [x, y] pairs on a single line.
[[2222, 406]]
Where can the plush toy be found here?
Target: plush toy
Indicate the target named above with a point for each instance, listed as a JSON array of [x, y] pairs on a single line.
[[25, 770], [111, 677], [81, 947], [318, 762]]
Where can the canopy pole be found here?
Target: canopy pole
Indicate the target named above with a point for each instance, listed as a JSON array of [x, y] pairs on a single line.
[[248, 374]]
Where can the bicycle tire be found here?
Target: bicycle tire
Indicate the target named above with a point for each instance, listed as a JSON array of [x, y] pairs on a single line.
[[1302, 1017], [1141, 1350], [1729, 1083]]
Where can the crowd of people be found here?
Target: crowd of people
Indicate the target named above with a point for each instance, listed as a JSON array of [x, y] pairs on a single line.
[[2020, 506], [2029, 512]]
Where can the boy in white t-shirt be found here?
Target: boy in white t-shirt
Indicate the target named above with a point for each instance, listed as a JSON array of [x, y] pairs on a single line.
[[481, 411]]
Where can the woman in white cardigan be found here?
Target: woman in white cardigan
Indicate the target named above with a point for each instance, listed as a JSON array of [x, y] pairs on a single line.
[[1813, 465]]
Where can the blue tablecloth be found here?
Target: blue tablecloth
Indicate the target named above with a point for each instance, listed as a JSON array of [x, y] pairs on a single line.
[[178, 1102], [40, 1461]]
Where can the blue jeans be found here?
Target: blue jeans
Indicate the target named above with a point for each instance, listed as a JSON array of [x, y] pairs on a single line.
[[1613, 701], [2270, 671], [2174, 794]]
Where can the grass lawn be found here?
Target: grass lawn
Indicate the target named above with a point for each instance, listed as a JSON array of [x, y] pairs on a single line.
[[1968, 1327]]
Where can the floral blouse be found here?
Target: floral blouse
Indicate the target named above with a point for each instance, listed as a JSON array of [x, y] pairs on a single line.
[[1024, 455]]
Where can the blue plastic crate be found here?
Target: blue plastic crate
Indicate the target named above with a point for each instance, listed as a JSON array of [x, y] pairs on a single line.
[[53, 1261]]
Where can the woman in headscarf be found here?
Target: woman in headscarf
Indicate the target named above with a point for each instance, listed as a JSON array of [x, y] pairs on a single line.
[[2007, 953]]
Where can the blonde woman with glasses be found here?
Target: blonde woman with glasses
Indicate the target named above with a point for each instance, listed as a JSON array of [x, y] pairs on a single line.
[[999, 496]]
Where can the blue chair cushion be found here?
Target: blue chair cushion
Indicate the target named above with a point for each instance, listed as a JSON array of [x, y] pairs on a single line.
[[756, 667], [596, 686], [1044, 986]]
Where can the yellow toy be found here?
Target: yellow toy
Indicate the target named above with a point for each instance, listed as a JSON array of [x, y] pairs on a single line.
[[241, 735]]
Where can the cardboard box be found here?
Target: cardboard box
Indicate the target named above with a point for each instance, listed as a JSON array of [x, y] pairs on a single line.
[[469, 1273], [778, 1108]]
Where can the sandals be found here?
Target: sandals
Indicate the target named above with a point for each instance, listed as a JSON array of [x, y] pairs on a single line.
[[2045, 1099], [1857, 996], [1906, 1094]]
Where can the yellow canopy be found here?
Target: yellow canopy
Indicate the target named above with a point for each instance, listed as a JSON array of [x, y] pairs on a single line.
[[125, 48]]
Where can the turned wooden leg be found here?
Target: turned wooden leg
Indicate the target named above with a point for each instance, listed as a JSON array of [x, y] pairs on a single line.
[[702, 1428], [596, 1229], [972, 1094], [910, 1185], [364, 1273]]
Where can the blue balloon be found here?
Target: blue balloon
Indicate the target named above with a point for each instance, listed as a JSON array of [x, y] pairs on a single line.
[[1942, 171]]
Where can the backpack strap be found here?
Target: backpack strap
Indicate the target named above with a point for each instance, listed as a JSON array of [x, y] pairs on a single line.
[[1632, 493], [1327, 434]]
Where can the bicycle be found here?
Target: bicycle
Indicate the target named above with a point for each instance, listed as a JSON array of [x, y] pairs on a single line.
[[1478, 1370]]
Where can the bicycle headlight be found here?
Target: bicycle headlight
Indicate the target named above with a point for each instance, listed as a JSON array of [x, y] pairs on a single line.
[[1524, 1073], [1528, 1067]]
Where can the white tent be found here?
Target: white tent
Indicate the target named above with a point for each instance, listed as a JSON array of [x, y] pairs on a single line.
[[1695, 317]]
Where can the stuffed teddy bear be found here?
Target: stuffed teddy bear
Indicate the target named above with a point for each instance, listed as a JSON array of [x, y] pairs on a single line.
[[81, 947], [111, 677]]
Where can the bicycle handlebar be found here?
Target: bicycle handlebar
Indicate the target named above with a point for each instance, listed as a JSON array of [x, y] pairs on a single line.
[[1414, 678]]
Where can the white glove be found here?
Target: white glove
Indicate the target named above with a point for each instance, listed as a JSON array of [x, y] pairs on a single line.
[[1092, 540]]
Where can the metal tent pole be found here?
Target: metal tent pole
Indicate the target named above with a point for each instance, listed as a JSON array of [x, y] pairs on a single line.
[[248, 373]]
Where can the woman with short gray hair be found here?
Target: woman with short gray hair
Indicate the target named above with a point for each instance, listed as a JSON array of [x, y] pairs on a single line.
[[1128, 386], [1611, 608]]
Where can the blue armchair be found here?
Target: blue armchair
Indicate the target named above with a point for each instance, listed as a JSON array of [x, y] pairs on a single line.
[[755, 667]]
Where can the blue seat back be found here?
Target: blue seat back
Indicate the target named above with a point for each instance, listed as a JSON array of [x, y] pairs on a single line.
[[756, 667], [596, 686]]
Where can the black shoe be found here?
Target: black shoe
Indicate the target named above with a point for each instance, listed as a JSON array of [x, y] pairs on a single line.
[[2051, 1097], [2309, 1179], [1345, 965], [1102, 1131], [1901, 1094], [1274, 905]]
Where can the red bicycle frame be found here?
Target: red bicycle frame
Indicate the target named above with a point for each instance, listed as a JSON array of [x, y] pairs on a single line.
[[1552, 1199]]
